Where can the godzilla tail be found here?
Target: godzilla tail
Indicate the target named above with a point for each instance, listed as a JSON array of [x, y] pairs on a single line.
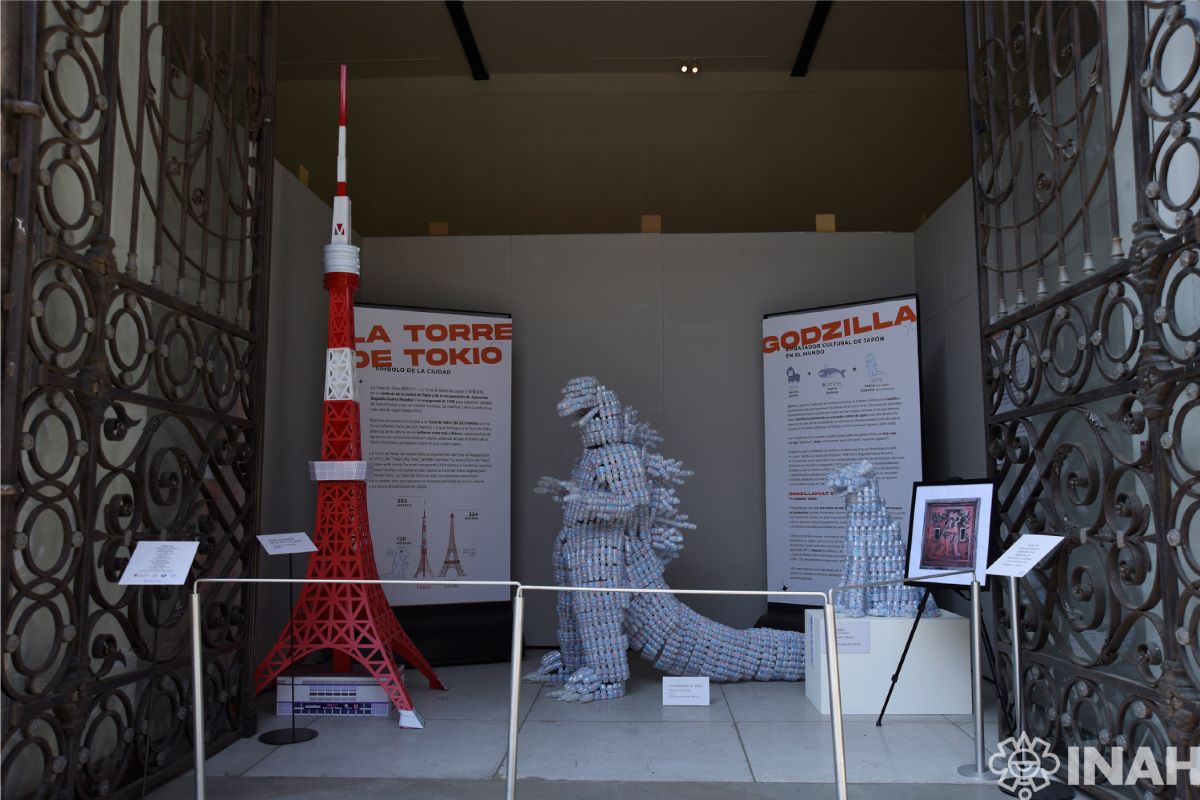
[[682, 642]]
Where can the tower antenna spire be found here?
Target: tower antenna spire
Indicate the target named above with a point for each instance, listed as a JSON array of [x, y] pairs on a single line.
[[341, 200]]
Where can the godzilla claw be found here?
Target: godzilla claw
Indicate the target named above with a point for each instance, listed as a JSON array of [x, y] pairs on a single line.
[[550, 670], [554, 487], [585, 685], [666, 470], [667, 540]]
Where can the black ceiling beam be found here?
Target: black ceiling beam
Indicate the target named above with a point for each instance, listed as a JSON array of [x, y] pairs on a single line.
[[467, 38], [807, 47]]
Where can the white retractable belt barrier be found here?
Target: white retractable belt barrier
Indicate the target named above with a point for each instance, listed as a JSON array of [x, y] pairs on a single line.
[[826, 599]]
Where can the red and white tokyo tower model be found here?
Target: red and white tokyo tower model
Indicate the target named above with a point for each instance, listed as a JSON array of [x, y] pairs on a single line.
[[353, 620]]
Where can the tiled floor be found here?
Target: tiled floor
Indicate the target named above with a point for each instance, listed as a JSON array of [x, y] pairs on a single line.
[[752, 733]]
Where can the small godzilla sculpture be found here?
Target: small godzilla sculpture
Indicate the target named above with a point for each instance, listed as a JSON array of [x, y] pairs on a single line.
[[874, 550], [620, 528]]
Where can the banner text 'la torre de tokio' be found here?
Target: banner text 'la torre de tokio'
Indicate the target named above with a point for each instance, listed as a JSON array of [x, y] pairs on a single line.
[[436, 344]]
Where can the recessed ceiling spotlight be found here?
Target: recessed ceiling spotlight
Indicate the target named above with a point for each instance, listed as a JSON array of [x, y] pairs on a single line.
[[695, 69], [683, 68]]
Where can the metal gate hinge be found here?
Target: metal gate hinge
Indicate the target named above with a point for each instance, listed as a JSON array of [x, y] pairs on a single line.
[[29, 107]]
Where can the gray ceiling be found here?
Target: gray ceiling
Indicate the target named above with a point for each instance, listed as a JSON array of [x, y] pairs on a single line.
[[586, 122]]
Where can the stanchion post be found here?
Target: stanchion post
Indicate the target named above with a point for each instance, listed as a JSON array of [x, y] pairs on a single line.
[[1014, 613], [514, 705], [977, 667], [978, 769], [835, 699], [197, 694]]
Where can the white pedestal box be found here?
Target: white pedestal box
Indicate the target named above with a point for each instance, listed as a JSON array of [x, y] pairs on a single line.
[[936, 678]]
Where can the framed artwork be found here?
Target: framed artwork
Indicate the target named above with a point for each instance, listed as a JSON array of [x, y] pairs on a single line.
[[950, 528]]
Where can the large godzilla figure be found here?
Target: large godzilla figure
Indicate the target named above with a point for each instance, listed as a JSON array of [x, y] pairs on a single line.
[[620, 528]]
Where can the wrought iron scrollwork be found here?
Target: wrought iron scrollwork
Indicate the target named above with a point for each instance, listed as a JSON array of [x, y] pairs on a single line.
[[1087, 180], [135, 287]]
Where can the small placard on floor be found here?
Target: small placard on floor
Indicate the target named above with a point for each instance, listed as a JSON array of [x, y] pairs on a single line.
[[685, 692]]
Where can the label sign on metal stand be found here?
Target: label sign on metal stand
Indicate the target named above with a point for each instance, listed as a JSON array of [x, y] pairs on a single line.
[[159, 564]]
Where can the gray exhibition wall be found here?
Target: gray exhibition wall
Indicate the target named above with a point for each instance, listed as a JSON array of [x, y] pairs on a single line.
[[673, 324], [951, 358], [944, 250]]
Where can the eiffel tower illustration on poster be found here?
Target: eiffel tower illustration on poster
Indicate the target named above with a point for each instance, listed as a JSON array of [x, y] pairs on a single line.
[[423, 569], [451, 561]]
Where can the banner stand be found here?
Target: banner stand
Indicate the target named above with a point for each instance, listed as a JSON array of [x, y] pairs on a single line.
[[437, 427], [841, 386], [459, 633]]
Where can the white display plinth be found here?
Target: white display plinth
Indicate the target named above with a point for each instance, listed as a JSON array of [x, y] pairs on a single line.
[[936, 678]]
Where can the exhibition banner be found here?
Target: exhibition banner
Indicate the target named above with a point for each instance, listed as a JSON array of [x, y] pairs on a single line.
[[435, 392], [840, 385]]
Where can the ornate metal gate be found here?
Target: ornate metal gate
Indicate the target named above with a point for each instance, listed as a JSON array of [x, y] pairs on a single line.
[[137, 224], [1087, 180]]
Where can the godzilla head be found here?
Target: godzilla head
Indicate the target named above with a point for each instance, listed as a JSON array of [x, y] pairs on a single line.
[[595, 409], [850, 479]]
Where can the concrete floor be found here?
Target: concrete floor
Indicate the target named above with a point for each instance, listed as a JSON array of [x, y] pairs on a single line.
[[756, 740], [533, 789]]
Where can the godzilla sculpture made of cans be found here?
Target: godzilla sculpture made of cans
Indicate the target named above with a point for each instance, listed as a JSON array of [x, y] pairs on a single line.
[[620, 529], [874, 551]]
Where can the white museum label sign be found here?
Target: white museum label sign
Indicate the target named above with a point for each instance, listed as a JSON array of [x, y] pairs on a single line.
[[1024, 555], [159, 564], [853, 636], [686, 692], [279, 544]]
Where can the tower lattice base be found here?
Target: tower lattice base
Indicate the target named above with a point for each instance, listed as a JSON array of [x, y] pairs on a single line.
[[354, 620]]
